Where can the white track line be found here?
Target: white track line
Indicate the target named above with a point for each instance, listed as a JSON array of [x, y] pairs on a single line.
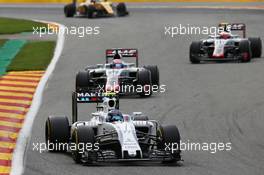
[[25, 132]]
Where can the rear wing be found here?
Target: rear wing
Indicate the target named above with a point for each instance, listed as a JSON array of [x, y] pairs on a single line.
[[90, 97], [125, 53], [234, 27]]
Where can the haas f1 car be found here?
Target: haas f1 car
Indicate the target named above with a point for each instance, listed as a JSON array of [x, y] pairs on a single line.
[[111, 135], [226, 46], [118, 76], [95, 8]]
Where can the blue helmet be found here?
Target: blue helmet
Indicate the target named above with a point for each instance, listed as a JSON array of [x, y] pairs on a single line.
[[114, 116]]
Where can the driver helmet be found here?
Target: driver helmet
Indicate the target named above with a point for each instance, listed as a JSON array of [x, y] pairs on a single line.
[[117, 64], [114, 116], [225, 35]]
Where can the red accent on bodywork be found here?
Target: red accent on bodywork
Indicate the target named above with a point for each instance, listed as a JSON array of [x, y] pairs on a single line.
[[218, 56], [245, 56]]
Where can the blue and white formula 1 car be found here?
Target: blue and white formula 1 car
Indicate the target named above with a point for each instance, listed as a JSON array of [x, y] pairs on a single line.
[[112, 135], [226, 46]]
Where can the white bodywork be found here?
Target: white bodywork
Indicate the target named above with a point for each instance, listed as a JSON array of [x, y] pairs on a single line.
[[219, 44], [112, 80], [127, 137], [113, 75], [126, 132]]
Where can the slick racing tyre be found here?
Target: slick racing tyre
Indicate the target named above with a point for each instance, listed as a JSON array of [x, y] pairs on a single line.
[[57, 133], [256, 47], [154, 70], [121, 9], [144, 80], [69, 10], [195, 50], [170, 136], [245, 51], [81, 137], [90, 11], [82, 81]]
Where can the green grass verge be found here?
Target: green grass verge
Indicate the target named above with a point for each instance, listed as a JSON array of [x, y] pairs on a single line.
[[33, 56], [12, 26], [2, 42]]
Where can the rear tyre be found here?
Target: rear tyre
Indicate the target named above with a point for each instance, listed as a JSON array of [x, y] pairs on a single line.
[[57, 133], [195, 50], [245, 51], [154, 70], [81, 137], [69, 10], [90, 11], [121, 9], [82, 81], [144, 80], [170, 135], [256, 47]]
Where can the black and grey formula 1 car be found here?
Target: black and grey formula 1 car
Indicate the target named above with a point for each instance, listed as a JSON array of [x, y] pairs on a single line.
[[226, 46], [111, 135], [119, 76]]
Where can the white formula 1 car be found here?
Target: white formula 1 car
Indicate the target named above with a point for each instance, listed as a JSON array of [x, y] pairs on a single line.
[[119, 76], [111, 135], [226, 46]]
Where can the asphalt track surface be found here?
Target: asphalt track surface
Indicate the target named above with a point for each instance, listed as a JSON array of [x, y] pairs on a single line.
[[208, 102]]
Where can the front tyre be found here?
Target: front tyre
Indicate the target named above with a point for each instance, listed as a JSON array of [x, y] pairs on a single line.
[[82, 137], [170, 136], [57, 133], [195, 50]]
